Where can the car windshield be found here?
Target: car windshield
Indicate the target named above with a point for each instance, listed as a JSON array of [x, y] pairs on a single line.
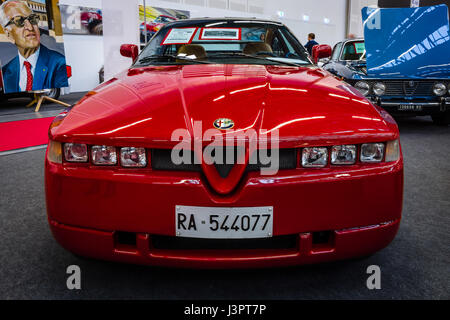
[[227, 42], [353, 50]]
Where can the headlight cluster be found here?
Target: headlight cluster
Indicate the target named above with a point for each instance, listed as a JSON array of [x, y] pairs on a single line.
[[378, 88], [316, 157], [311, 157], [130, 157]]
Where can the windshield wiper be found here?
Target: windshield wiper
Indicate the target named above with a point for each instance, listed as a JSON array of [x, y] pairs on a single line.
[[240, 54], [158, 57]]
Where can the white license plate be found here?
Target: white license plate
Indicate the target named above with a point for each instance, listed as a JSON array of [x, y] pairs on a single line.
[[409, 107], [223, 222]]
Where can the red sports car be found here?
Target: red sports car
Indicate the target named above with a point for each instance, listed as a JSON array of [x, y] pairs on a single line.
[[160, 21], [214, 150]]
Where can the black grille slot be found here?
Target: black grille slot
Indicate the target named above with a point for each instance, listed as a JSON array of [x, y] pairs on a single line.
[[181, 243], [398, 88], [161, 160], [287, 159]]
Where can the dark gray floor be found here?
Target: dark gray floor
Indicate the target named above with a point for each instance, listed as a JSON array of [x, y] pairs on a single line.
[[415, 265]]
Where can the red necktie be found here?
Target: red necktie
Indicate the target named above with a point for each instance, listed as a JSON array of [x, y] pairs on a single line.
[[29, 76]]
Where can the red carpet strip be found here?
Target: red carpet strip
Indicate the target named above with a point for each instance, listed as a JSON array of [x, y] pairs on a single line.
[[24, 133]]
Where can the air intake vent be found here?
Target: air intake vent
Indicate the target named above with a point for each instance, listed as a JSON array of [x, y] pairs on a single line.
[[287, 159], [161, 160], [180, 243]]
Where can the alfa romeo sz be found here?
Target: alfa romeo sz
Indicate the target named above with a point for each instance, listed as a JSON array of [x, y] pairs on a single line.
[[223, 145]]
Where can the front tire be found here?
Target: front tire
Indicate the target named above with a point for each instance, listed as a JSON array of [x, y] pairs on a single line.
[[442, 118]]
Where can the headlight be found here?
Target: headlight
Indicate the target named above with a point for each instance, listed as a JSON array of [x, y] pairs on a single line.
[[372, 152], [75, 152], [363, 87], [343, 154], [439, 89], [133, 157], [392, 151], [379, 88], [314, 157], [104, 155]]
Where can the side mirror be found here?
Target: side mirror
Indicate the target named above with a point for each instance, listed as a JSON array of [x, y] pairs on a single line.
[[321, 51], [129, 51]]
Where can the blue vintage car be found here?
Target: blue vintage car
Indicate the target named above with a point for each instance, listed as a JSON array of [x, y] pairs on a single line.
[[404, 64]]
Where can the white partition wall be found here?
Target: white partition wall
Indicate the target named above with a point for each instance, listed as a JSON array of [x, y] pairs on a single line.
[[355, 19], [83, 53], [214, 8], [120, 25], [325, 18]]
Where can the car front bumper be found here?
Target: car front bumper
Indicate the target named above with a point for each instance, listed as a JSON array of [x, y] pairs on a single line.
[[413, 106], [347, 243], [360, 206]]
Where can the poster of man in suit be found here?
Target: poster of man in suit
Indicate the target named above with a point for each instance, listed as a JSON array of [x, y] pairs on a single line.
[[31, 46]]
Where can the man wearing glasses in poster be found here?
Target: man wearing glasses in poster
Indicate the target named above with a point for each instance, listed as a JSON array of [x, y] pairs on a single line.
[[35, 67]]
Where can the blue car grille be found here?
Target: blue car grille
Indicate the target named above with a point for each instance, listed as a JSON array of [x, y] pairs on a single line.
[[409, 88]]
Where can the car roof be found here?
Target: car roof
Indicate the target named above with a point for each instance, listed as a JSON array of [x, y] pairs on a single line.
[[354, 40], [194, 21]]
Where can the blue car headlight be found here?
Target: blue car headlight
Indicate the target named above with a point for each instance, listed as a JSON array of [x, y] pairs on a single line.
[[439, 89], [363, 87], [379, 88]]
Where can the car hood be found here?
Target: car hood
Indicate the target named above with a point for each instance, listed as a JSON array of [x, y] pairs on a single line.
[[144, 106], [407, 42]]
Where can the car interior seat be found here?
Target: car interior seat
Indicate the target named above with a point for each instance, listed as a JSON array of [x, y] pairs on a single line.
[[253, 48], [351, 56], [193, 49]]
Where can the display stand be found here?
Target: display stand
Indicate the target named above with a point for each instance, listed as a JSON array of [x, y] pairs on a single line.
[[39, 97]]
